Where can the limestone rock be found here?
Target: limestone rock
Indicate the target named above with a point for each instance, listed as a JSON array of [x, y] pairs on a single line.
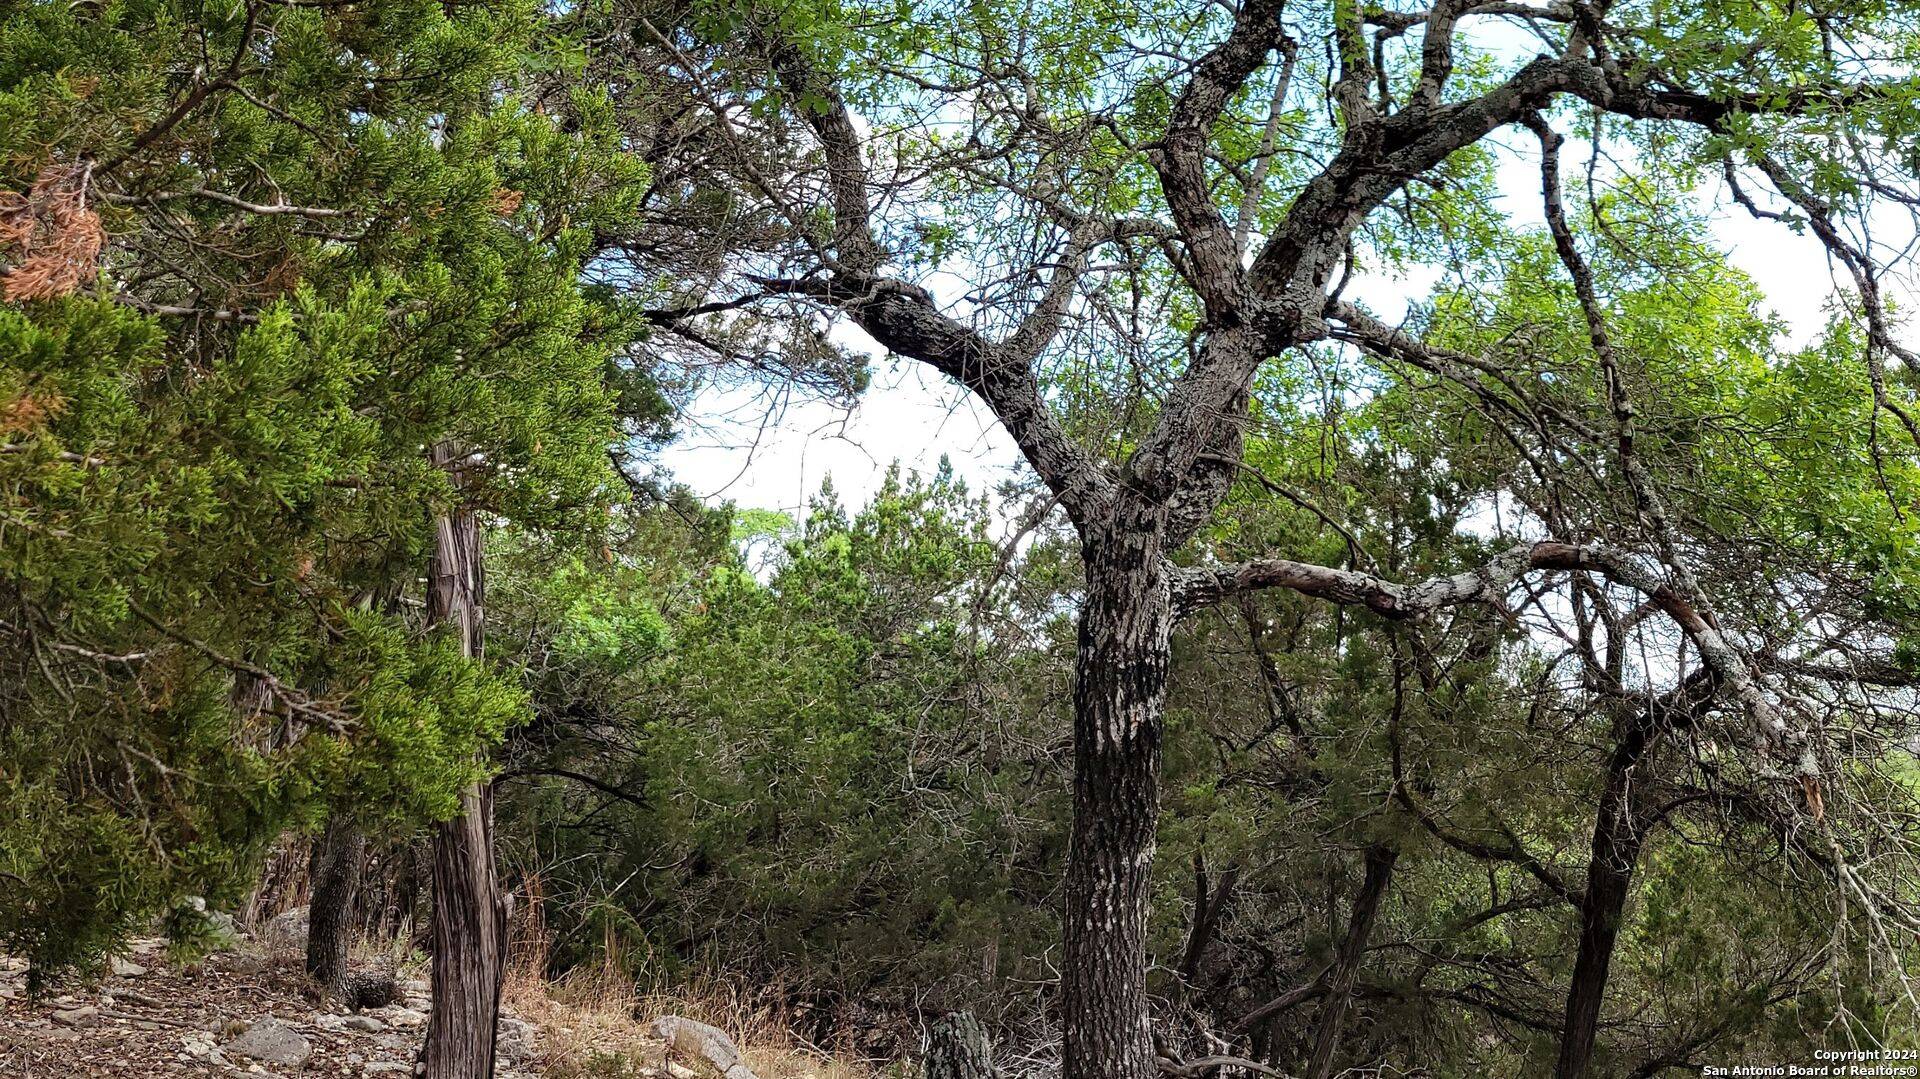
[[403, 1017], [273, 1042], [219, 925], [363, 1023], [240, 962], [199, 1043], [699, 1042], [77, 1017], [515, 1040], [287, 930]]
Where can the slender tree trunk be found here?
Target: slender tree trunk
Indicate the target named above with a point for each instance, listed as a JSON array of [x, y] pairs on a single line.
[[334, 871], [469, 914], [1119, 692], [1209, 909], [1346, 966], [1617, 839]]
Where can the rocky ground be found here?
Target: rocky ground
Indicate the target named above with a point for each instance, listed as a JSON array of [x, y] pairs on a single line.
[[251, 1011], [242, 1012]]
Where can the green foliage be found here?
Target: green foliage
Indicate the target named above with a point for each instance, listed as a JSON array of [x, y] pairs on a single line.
[[810, 784], [214, 489]]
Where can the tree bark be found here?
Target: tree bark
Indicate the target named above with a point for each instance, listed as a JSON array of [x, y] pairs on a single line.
[[957, 1048], [1346, 968], [469, 943], [469, 914], [334, 871], [1119, 691], [1617, 839]]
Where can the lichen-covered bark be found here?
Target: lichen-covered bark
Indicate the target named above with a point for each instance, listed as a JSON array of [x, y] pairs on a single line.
[[957, 1048], [1119, 693]]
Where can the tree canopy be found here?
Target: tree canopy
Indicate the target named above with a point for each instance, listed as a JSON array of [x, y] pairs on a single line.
[[1446, 617]]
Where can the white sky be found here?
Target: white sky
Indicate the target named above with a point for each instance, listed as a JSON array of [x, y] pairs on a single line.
[[768, 450]]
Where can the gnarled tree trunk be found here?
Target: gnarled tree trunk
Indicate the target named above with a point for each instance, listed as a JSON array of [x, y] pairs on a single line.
[[469, 913], [1119, 691]]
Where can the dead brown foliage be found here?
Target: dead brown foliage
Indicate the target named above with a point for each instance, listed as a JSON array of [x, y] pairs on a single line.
[[50, 237], [26, 412]]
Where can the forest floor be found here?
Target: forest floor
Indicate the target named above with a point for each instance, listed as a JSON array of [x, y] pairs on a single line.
[[252, 1012]]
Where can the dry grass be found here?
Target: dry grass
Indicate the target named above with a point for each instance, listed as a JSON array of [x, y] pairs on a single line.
[[595, 1025], [593, 1022]]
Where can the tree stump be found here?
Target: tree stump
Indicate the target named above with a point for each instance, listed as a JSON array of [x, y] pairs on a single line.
[[957, 1048]]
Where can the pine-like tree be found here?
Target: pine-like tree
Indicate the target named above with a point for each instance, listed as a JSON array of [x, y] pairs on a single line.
[[255, 262]]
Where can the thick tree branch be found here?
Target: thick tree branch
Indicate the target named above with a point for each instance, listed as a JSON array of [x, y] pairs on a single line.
[[1201, 587], [1180, 159], [1399, 22], [825, 111], [902, 317], [1287, 284], [1689, 604]]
